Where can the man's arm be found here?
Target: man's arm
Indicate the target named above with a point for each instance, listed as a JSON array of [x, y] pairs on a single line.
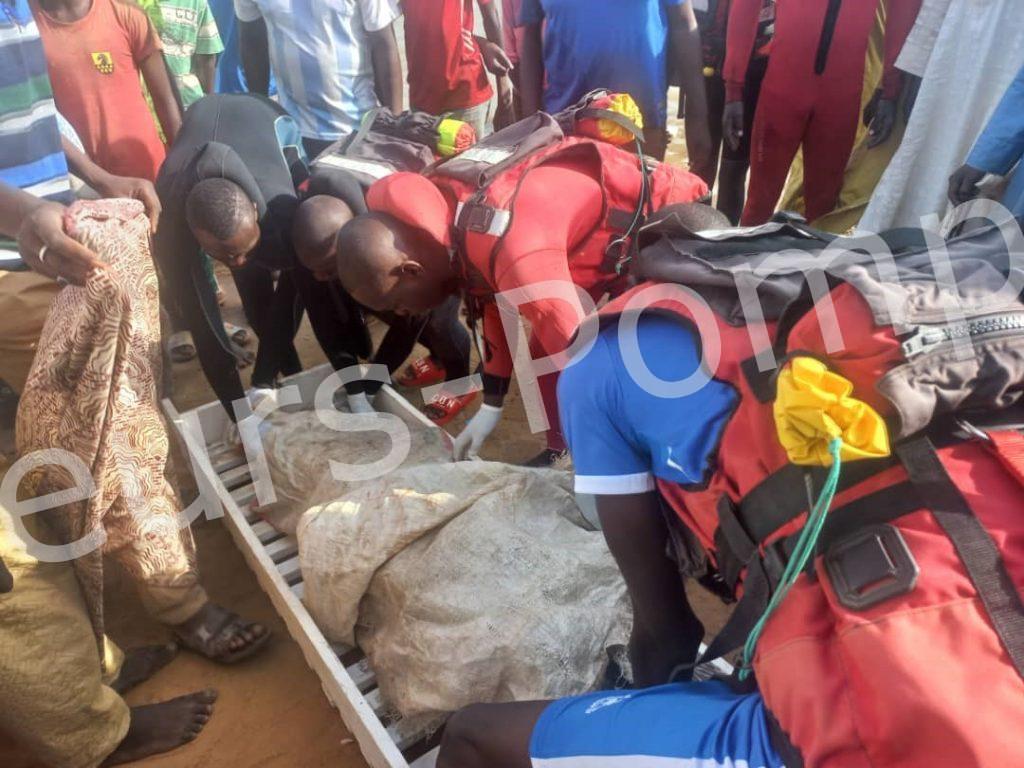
[[183, 280], [15, 207], [535, 250], [900, 18], [739, 47], [147, 53], [253, 48], [387, 69], [496, 60], [492, 46], [685, 56], [999, 147], [108, 185], [208, 47], [204, 65], [531, 67], [39, 224], [154, 72]]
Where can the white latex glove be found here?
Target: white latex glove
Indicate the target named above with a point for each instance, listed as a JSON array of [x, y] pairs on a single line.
[[360, 403], [471, 439], [256, 396]]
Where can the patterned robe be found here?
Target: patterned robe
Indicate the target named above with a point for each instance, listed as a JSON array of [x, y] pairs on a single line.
[[93, 391]]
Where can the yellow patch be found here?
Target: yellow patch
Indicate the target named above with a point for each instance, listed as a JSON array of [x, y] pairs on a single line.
[[103, 62]]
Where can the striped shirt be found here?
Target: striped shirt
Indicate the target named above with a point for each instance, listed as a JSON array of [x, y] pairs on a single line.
[[320, 56], [187, 28], [31, 157]]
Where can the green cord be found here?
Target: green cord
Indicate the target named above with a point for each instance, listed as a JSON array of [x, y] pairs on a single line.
[[802, 552]]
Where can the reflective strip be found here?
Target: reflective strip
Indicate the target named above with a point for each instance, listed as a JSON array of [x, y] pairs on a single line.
[[615, 485], [500, 220], [486, 155], [368, 167]]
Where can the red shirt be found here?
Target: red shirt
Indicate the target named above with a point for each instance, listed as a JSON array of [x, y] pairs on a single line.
[[94, 67], [446, 68]]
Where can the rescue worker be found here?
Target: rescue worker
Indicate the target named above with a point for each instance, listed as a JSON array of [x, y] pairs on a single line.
[[735, 160], [912, 570], [566, 205], [314, 230], [810, 96]]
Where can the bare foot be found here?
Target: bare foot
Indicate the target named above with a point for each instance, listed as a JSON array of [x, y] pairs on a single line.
[[140, 664], [157, 728]]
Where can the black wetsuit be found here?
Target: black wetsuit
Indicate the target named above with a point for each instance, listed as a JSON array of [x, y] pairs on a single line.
[[245, 139]]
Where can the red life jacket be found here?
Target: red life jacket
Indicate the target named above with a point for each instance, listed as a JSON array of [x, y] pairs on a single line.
[[468, 203], [482, 185], [903, 645]]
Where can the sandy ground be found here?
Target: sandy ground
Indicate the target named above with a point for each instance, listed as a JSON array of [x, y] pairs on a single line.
[[271, 712]]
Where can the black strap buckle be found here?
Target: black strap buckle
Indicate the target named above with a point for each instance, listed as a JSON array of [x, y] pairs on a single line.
[[871, 566], [476, 217]]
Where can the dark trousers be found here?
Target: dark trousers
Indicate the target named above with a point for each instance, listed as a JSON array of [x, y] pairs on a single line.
[[441, 332], [339, 324], [275, 313]]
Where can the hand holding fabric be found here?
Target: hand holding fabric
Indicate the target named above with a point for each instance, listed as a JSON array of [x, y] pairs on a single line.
[[47, 249], [963, 184], [135, 189]]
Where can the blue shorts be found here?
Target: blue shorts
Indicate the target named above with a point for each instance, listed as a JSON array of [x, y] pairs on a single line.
[[685, 725]]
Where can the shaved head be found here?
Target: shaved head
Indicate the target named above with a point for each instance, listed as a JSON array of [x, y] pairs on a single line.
[[314, 230], [388, 266]]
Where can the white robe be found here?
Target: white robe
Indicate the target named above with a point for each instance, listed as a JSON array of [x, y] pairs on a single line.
[[977, 51]]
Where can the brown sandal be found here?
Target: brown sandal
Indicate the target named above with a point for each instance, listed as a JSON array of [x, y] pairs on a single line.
[[214, 634]]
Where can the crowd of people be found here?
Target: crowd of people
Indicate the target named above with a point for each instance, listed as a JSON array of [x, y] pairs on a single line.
[[266, 140]]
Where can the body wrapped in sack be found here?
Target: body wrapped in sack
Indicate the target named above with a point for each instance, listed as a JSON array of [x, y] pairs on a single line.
[[463, 583], [300, 448]]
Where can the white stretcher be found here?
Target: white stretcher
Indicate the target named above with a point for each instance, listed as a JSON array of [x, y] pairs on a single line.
[[345, 674]]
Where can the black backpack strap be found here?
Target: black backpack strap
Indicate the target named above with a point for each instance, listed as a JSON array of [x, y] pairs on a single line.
[[974, 546], [360, 135]]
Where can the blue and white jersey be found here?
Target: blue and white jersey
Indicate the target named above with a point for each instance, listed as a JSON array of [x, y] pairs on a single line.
[[31, 155], [320, 57], [623, 431]]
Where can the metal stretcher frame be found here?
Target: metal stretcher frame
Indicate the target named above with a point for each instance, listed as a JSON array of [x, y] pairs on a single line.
[[345, 674]]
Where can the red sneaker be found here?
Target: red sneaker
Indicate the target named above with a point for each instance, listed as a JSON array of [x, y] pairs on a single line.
[[444, 407], [421, 373]]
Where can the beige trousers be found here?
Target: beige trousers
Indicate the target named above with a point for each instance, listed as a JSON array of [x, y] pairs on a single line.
[[25, 299], [55, 700]]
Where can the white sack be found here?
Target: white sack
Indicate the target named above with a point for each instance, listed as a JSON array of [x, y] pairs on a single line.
[[299, 448], [471, 582]]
